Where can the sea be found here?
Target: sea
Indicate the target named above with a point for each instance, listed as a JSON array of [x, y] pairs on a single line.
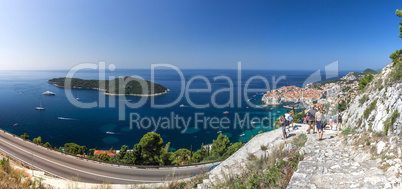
[[200, 105]]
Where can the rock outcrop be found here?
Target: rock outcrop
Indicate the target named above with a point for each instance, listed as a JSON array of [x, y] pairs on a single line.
[[384, 97]]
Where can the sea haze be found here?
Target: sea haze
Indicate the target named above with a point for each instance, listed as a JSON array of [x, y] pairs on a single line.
[[62, 122]]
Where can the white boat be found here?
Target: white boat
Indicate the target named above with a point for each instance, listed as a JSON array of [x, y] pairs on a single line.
[[225, 112], [40, 107], [219, 132], [48, 93], [110, 133], [182, 105]]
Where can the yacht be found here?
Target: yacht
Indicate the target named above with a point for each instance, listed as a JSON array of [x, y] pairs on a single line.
[[225, 112], [182, 105], [40, 107], [49, 93]]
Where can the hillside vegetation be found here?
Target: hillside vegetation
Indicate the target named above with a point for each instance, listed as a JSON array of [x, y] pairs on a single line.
[[123, 86]]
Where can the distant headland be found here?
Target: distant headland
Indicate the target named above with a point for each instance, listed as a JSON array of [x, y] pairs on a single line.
[[133, 86]]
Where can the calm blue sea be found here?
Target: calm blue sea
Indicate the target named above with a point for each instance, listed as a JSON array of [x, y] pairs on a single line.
[[62, 122]]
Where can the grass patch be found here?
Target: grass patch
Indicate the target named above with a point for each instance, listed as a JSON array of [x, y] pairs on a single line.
[[300, 140], [347, 131], [11, 177], [369, 109], [390, 121], [191, 183], [273, 171], [363, 99]]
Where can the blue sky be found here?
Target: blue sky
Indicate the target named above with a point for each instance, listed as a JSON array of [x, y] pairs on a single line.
[[199, 34]]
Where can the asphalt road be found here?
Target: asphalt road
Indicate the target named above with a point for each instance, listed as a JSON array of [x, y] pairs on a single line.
[[68, 167]]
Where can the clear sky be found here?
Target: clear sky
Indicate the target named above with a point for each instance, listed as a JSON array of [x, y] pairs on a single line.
[[199, 34]]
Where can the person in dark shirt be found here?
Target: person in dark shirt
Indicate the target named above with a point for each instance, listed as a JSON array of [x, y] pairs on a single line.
[[311, 120]]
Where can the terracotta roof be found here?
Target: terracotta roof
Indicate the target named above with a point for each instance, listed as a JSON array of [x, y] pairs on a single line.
[[99, 152]]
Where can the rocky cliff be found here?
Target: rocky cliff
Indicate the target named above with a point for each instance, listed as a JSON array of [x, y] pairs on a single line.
[[378, 107]]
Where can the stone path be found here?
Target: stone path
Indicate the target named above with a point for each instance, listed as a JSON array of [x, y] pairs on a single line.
[[331, 164]]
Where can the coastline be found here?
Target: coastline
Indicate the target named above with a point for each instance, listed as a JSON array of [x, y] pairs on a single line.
[[113, 94]]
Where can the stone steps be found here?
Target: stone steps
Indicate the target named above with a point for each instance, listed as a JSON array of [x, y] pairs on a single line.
[[330, 164]]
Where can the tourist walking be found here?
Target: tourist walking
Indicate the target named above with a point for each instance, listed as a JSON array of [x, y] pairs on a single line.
[[292, 113], [311, 119], [287, 118], [339, 120], [282, 120], [318, 120]]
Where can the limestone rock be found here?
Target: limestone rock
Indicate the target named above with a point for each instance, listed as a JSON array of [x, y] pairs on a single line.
[[380, 146], [289, 147]]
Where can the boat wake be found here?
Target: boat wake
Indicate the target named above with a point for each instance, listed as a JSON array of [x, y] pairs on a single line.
[[111, 133], [66, 118]]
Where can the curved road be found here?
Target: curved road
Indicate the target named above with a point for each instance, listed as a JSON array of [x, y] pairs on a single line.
[[67, 167]]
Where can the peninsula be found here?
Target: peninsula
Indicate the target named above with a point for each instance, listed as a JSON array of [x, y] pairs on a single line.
[[133, 86], [331, 94]]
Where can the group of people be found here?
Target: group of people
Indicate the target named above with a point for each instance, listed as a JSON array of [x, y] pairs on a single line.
[[319, 120], [315, 119]]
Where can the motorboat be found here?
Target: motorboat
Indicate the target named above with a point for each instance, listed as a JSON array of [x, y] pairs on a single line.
[[49, 93]]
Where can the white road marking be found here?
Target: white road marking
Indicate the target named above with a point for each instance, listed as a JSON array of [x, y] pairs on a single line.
[[78, 169], [15, 157]]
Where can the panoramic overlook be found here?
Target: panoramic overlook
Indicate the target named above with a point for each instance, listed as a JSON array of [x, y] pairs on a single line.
[[201, 94]]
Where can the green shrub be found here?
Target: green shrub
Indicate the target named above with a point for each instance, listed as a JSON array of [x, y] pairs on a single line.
[[396, 72], [389, 122], [369, 109], [346, 131], [396, 54], [25, 136], [365, 80], [37, 140]]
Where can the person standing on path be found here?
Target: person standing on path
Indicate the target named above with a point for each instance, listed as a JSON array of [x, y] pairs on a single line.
[[282, 120], [339, 120], [287, 118], [311, 120], [292, 113], [318, 120]]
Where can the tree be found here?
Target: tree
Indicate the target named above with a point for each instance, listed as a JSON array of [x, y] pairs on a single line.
[[365, 80], [122, 153], [197, 157], [232, 149], [91, 151], [399, 13], [151, 145], [37, 140], [220, 145], [74, 149], [183, 155], [47, 145], [342, 106], [168, 158], [104, 157], [25, 136], [133, 157]]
